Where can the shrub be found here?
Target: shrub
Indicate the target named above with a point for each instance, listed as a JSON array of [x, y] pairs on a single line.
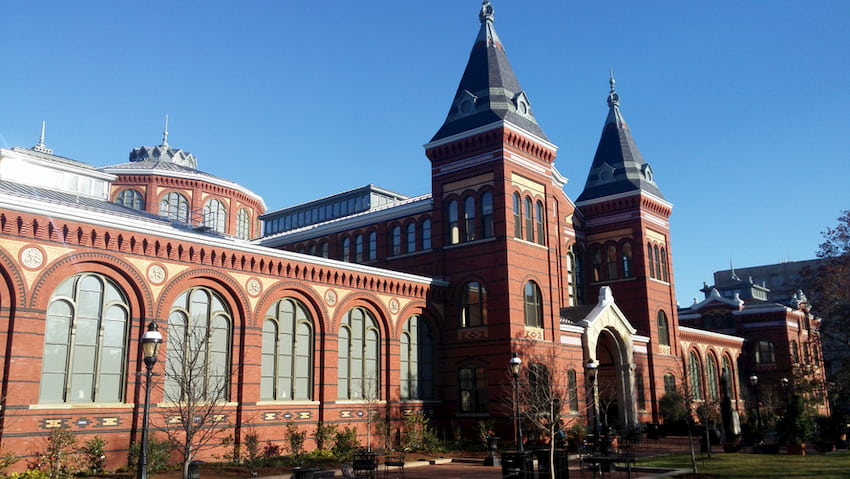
[[325, 435], [345, 443], [30, 474], [271, 450], [296, 439], [94, 452], [419, 435], [59, 460], [6, 460], [252, 450], [158, 454]]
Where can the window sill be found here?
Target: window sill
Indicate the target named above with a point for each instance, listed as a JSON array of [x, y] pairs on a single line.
[[93, 405], [275, 402]]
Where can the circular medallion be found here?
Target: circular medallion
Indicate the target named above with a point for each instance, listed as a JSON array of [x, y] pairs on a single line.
[[394, 306], [32, 257], [156, 273], [330, 297], [253, 286]]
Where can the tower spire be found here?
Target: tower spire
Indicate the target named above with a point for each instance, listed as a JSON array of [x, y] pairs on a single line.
[[613, 97], [165, 132], [41, 147]]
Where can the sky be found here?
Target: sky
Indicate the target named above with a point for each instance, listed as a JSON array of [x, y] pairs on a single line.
[[741, 108]]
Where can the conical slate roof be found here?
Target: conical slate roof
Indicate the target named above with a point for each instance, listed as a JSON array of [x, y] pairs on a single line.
[[618, 166], [489, 91]]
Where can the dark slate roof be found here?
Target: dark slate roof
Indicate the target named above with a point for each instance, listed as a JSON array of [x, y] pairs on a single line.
[[574, 314], [489, 91], [618, 166], [156, 165]]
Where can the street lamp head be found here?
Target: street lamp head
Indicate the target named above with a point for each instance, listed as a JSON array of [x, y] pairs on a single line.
[[515, 365], [784, 382], [754, 380], [592, 367], [151, 341]]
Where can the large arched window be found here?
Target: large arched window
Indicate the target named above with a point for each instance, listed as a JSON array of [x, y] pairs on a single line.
[[453, 226], [85, 337], [411, 237], [197, 360], [529, 219], [517, 216], [663, 329], [131, 199], [626, 258], [417, 360], [533, 305], [486, 214], [695, 376], [175, 207], [539, 220], [473, 310], [287, 352], [396, 240], [243, 224], [472, 386], [611, 261], [426, 234], [215, 215], [469, 218], [358, 371], [713, 385]]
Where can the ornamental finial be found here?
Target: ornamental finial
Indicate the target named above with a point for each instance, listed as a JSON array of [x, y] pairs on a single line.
[[41, 147], [486, 14], [165, 132], [613, 97]]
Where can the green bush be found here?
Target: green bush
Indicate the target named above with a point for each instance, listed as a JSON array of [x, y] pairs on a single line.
[[419, 435], [94, 452], [345, 443], [59, 460], [159, 453], [325, 435], [30, 474], [296, 438]]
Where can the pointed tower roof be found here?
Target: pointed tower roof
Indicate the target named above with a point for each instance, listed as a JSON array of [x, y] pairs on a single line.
[[489, 91], [164, 153], [618, 166]]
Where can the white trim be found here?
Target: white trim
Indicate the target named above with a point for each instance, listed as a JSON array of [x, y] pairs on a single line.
[[488, 127], [711, 334], [625, 195]]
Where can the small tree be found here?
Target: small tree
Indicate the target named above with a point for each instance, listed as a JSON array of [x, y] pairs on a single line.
[[94, 451], [195, 394], [296, 438], [59, 459]]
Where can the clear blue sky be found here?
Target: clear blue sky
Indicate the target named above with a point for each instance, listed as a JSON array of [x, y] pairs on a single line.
[[740, 107]]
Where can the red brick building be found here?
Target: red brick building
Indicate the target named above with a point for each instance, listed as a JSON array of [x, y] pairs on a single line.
[[362, 300]]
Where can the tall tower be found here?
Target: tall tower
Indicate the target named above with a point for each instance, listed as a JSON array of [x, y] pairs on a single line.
[[627, 232], [497, 203]]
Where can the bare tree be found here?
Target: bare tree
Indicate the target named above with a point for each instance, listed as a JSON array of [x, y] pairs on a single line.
[[195, 390]]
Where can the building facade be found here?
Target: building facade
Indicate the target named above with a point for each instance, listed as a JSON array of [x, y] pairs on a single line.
[[326, 311]]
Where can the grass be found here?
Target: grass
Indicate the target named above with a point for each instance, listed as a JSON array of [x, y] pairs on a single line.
[[757, 466]]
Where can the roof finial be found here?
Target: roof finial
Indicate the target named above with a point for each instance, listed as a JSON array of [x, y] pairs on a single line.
[[613, 97], [486, 14], [165, 132], [41, 147]]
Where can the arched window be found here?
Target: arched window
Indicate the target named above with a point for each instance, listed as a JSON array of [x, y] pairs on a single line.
[[85, 338], [640, 390], [396, 240], [576, 275], [611, 261], [533, 305], [627, 259], [411, 237], [695, 376], [572, 390], [131, 199], [287, 354], [664, 276], [472, 386], [215, 216], [346, 249], [453, 226], [663, 329], [650, 260], [417, 360], [373, 246], [795, 352], [529, 220], [358, 248], [175, 207], [713, 384], [312, 249], [473, 311], [324, 249], [486, 214], [669, 383], [358, 372], [657, 257], [764, 352], [596, 259], [517, 216], [539, 219], [243, 224], [469, 218], [426, 234], [197, 359]]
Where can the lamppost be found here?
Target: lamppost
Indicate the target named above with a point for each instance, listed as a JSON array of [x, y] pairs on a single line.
[[151, 341], [592, 368], [754, 382], [515, 365]]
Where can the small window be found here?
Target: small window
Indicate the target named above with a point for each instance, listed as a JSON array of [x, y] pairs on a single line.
[[411, 237], [175, 207], [664, 276], [215, 216], [611, 261], [764, 352], [641, 392], [539, 219], [426, 234], [487, 215], [473, 309], [596, 259], [358, 248], [454, 227], [663, 329], [627, 259], [396, 240], [243, 224], [533, 305], [572, 387], [472, 386], [650, 260], [529, 220], [346, 249], [469, 219], [669, 383], [373, 246], [131, 199], [517, 216]]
